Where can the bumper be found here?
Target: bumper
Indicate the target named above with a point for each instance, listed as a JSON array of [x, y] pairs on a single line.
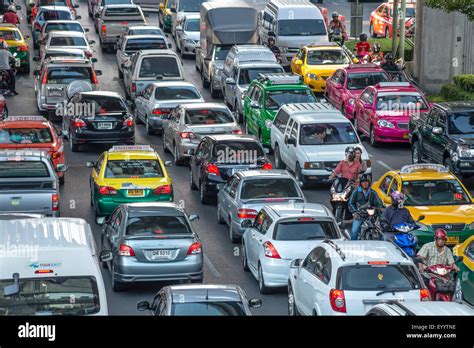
[[103, 137], [188, 48], [464, 166], [391, 135], [155, 123], [211, 184], [184, 147], [106, 205], [275, 271], [108, 39], [317, 86], [217, 83]]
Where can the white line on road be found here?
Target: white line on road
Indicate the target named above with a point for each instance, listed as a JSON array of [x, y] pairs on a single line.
[[212, 268], [386, 166]]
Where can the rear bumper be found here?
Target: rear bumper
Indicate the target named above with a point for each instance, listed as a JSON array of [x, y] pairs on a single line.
[[106, 205], [275, 271], [184, 147], [103, 137], [188, 48], [108, 39], [464, 166], [155, 122]]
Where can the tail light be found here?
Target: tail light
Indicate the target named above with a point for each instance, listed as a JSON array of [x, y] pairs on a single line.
[[194, 249], [44, 271], [337, 300], [134, 87], [213, 169], [128, 122], [88, 54], [45, 77], [236, 131], [425, 295], [187, 135], [125, 250], [103, 29], [267, 166], [55, 202], [55, 155], [163, 190], [23, 48], [247, 213], [270, 251], [34, 11], [107, 190], [78, 123]]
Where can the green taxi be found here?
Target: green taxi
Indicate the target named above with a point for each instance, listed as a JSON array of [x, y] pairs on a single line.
[[264, 97], [465, 279], [16, 44]]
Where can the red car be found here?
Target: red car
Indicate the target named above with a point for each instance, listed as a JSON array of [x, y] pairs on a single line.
[[32, 132], [39, 3], [382, 112], [381, 19], [348, 83]]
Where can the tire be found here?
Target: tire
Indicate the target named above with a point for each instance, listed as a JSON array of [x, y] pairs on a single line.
[[372, 140], [205, 83], [233, 237], [292, 308], [163, 139], [26, 69], [278, 163], [120, 73], [214, 94], [62, 179], [204, 198], [116, 286], [300, 177], [245, 261], [149, 130], [192, 185], [372, 31], [261, 282], [72, 145], [177, 160], [220, 220], [416, 153]]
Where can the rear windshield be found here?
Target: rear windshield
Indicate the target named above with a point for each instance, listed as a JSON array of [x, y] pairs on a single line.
[[305, 229], [247, 75], [116, 2], [146, 31], [10, 35], [373, 278], [401, 103], [301, 27], [67, 41], [268, 188], [207, 116], [25, 136], [362, 80], [245, 151], [23, 169], [67, 74], [134, 45], [55, 15], [165, 66], [157, 225], [134, 168], [64, 27], [122, 11], [104, 104], [192, 25], [52, 3], [208, 309], [175, 93]]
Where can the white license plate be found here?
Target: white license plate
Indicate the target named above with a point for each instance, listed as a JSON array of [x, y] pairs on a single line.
[[55, 93], [160, 254], [104, 125]]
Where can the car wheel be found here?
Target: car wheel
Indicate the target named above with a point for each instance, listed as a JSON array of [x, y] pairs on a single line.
[[62, 179], [205, 83], [116, 286], [371, 30], [177, 159], [73, 146], [120, 73], [387, 33], [300, 176], [191, 180], [149, 130], [26, 69], [292, 309], [373, 142], [163, 139], [220, 220], [261, 282], [278, 163], [416, 153], [203, 194], [214, 93], [233, 237], [245, 261]]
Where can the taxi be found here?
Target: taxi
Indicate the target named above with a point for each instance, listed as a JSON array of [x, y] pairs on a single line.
[[432, 191], [317, 62], [381, 19], [16, 44], [33, 132], [128, 174], [465, 279]]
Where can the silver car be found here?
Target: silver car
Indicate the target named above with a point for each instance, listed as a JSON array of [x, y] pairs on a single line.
[[62, 25], [67, 39], [187, 124], [188, 34], [151, 242], [281, 233], [140, 30], [247, 192], [62, 52], [159, 98]]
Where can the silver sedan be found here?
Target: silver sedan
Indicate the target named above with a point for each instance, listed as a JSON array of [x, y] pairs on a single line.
[[188, 34]]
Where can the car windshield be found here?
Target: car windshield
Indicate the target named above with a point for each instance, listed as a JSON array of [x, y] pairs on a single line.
[[146, 31], [360, 81], [461, 123], [153, 225], [275, 99], [192, 24], [67, 41], [221, 52], [434, 192], [269, 188], [25, 136], [207, 116], [134, 45], [51, 296], [102, 104], [402, 103], [23, 169], [301, 27], [238, 152], [154, 66], [208, 308], [55, 15], [67, 74], [52, 3], [64, 27], [190, 5], [327, 57], [327, 133], [378, 278], [176, 93], [10, 35], [133, 168], [305, 229], [247, 75]]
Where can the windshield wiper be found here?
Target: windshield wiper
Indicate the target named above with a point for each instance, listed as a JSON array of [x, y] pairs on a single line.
[[393, 290]]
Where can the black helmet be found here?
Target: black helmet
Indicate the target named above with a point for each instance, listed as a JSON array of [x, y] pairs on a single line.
[[376, 47], [364, 178], [389, 57], [335, 15], [271, 39], [350, 149], [363, 37]]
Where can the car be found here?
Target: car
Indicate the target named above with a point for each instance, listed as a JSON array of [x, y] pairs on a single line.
[[435, 308], [48, 13], [96, 6], [197, 300], [158, 99], [465, 278], [61, 25], [18, 45], [245, 193], [315, 63], [188, 34], [281, 233], [348, 83], [218, 157], [97, 117], [25, 132], [382, 112], [180, 9], [151, 242], [164, 15], [67, 39], [444, 135], [140, 30], [264, 97], [381, 19], [349, 278], [41, 3], [187, 124], [297, 147], [432, 191], [63, 53], [128, 174], [29, 182]]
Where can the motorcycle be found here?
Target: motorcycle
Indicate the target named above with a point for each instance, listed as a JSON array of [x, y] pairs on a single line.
[[5, 78], [335, 36], [441, 282], [404, 238], [370, 228], [340, 192]]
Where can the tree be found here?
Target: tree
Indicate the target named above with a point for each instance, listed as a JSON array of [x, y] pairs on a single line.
[[463, 6]]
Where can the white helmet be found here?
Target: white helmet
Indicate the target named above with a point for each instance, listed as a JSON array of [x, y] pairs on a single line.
[[12, 8]]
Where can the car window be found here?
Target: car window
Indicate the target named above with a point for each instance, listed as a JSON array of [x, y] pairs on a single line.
[[137, 44], [305, 229], [162, 306], [310, 262], [208, 308], [10, 35], [327, 57], [322, 268], [250, 91], [238, 151], [25, 136], [385, 184], [281, 120], [396, 102], [275, 99], [336, 76], [157, 225], [176, 93], [441, 120], [24, 169], [294, 131], [133, 169], [365, 96], [358, 81], [434, 192], [432, 115], [229, 183], [122, 11], [269, 188], [469, 252], [102, 104], [233, 187], [64, 27], [67, 41], [461, 122], [67, 74], [207, 116], [117, 220], [206, 149], [393, 186], [327, 133], [155, 66], [200, 149], [257, 96], [262, 222]]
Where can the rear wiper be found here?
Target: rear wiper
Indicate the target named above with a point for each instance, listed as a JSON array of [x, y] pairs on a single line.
[[393, 290]]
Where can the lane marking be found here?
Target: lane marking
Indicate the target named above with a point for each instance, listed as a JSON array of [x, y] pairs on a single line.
[[212, 268], [386, 166]]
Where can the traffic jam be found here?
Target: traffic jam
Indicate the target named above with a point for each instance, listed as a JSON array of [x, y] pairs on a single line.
[[226, 158]]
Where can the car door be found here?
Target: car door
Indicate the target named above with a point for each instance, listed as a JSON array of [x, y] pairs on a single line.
[[466, 274], [257, 236], [320, 281], [370, 115], [226, 199], [440, 141], [255, 111], [193, 162], [290, 148], [303, 288], [202, 160], [95, 172], [284, 146], [384, 188], [359, 110], [427, 131], [247, 100], [141, 101], [331, 84], [296, 68], [112, 232]]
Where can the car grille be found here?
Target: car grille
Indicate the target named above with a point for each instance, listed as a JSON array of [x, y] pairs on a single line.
[[402, 125], [449, 227], [330, 164]]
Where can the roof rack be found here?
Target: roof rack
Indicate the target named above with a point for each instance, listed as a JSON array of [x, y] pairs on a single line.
[[393, 84], [24, 118], [120, 148], [309, 107], [279, 79], [335, 247], [408, 169]]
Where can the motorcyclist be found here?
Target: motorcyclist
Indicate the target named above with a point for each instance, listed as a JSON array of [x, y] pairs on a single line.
[[436, 252], [389, 65], [375, 54], [6, 58], [348, 168], [362, 47], [11, 16], [363, 196], [271, 45], [395, 214], [337, 27]]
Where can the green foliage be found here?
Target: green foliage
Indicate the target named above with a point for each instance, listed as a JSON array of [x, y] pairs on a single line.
[[466, 82], [451, 92], [463, 6]]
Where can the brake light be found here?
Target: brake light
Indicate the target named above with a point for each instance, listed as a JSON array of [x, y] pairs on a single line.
[[247, 213], [305, 219], [270, 251], [23, 48], [134, 87], [125, 250], [103, 29], [194, 249], [187, 135], [378, 262], [163, 190], [34, 11], [267, 166], [45, 77], [43, 271], [213, 169], [425, 295], [107, 190], [95, 80], [55, 202], [157, 112], [78, 123], [236, 131], [128, 122], [55, 155], [337, 300], [88, 54]]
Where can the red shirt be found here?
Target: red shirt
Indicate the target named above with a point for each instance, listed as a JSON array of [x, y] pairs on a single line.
[[11, 17], [362, 48], [347, 170]]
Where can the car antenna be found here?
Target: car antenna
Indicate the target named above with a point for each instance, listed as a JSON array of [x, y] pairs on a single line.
[[302, 210]]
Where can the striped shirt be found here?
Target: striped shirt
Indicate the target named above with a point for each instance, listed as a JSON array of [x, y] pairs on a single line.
[[433, 257]]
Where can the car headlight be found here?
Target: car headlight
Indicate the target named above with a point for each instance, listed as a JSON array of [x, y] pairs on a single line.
[[464, 151], [351, 101], [268, 124], [385, 123], [312, 76], [313, 165]]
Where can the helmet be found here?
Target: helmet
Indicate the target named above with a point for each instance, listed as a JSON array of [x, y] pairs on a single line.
[[397, 199], [376, 47], [3, 45], [440, 233], [335, 15], [363, 37], [389, 57], [364, 178], [271, 39], [12, 8], [349, 150]]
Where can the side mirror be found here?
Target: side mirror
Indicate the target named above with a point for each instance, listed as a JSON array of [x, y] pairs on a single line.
[[193, 217], [91, 42], [97, 15], [168, 163], [101, 220], [78, 17], [246, 223], [298, 62], [255, 303], [291, 141], [368, 106], [254, 104], [143, 306], [106, 256], [61, 168], [230, 81], [90, 164], [421, 218], [355, 60], [98, 72], [86, 30], [190, 152], [437, 130], [94, 60], [295, 263]]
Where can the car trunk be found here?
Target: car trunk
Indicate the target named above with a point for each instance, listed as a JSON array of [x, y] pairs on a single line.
[[32, 196], [118, 26], [202, 130], [294, 249], [226, 170], [160, 248]]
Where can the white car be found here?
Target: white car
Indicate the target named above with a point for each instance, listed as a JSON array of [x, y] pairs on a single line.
[[67, 39], [350, 277], [436, 308], [188, 34], [310, 139]]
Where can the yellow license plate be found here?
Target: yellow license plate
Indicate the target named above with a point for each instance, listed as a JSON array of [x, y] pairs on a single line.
[[453, 240], [405, 136], [135, 193]]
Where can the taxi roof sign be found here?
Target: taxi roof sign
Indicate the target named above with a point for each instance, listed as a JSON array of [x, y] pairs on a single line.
[[120, 148], [25, 118], [280, 78], [408, 169], [393, 84]]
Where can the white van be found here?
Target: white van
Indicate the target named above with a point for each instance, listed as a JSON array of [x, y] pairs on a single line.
[[50, 266]]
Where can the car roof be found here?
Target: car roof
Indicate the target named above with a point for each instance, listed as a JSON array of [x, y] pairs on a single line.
[[54, 8], [361, 68], [192, 15], [51, 49], [291, 3], [122, 6], [102, 93], [138, 27], [457, 106], [314, 113], [438, 308], [394, 87], [299, 209], [27, 154], [260, 65], [120, 152], [158, 52], [66, 33], [168, 209], [25, 122], [199, 106], [324, 45], [227, 137], [8, 26], [65, 21], [205, 293], [423, 172], [173, 84], [145, 36], [68, 60], [272, 173]]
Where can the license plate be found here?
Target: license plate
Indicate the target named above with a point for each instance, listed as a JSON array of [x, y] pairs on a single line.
[[160, 254], [104, 125], [453, 240], [136, 193], [17, 62], [55, 93], [405, 136]]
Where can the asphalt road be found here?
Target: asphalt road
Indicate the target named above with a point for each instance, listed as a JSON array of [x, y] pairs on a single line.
[[222, 259]]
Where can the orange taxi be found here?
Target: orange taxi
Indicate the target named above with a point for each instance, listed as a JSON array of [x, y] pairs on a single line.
[[381, 19]]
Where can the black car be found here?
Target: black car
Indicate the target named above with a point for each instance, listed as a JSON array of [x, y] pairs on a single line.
[[445, 135], [97, 117], [218, 157]]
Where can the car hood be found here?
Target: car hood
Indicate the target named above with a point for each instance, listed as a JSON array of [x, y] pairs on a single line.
[[318, 153], [444, 214], [193, 35], [323, 70]]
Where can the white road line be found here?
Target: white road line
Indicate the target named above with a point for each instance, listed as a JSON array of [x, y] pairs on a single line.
[[212, 268], [386, 166]]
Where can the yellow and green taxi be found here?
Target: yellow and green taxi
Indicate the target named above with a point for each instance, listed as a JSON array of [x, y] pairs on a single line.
[[164, 15], [128, 174], [16, 44], [317, 62], [431, 190], [465, 278]]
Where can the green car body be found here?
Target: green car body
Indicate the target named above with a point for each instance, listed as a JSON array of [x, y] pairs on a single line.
[[24, 57], [465, 279]]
